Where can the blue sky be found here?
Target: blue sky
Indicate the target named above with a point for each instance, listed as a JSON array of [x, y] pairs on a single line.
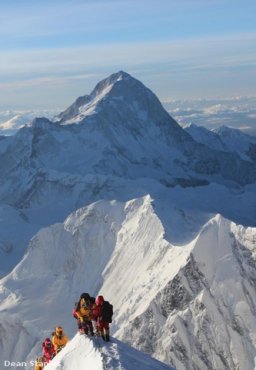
[[52, 51]]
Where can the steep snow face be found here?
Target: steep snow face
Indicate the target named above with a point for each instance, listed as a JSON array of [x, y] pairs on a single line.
[[83, 353], [226, 139], [208, 308], [191, 305]]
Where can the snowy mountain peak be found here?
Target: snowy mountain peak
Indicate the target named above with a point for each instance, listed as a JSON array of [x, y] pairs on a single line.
[[119, 91], [111, 80], [87, 104], [225, 130], [121, 84]]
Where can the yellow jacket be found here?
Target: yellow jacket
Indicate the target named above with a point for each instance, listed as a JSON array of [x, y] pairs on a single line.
[[59, 343], [84, 312]]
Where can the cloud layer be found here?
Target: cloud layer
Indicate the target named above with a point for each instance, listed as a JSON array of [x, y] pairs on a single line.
[[238, 112]]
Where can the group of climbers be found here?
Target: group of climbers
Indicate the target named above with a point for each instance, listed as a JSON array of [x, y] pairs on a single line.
[[51, 347], [93, 317]]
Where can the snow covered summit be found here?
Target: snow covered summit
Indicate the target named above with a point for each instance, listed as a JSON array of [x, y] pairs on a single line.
[[121, 88]]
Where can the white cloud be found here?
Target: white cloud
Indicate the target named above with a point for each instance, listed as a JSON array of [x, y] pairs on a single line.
[[183, 56], [239, 113], [44, 81]]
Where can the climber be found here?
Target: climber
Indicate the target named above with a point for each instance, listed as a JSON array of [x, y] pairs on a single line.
[[39, 365], [102, 314], [48, 350], [59, 339], [83, 313]]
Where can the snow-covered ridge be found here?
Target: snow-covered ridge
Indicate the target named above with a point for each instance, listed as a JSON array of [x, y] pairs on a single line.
[[83, 353], [226, 139]]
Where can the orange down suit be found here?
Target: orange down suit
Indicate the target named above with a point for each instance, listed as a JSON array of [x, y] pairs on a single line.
[[59, 343]]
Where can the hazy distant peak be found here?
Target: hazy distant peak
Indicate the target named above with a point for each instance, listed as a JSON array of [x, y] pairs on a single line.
[[223, 129]]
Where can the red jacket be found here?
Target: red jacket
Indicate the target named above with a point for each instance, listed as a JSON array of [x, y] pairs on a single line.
[[96, 313], [48, 352]]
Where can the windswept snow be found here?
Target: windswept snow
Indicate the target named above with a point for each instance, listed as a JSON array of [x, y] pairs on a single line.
[[80, 353]]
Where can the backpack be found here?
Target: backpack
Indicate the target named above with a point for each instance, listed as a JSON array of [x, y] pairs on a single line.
[[107, 312], [92, 300]]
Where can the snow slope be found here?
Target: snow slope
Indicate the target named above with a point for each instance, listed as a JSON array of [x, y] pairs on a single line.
[[83, 353]]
